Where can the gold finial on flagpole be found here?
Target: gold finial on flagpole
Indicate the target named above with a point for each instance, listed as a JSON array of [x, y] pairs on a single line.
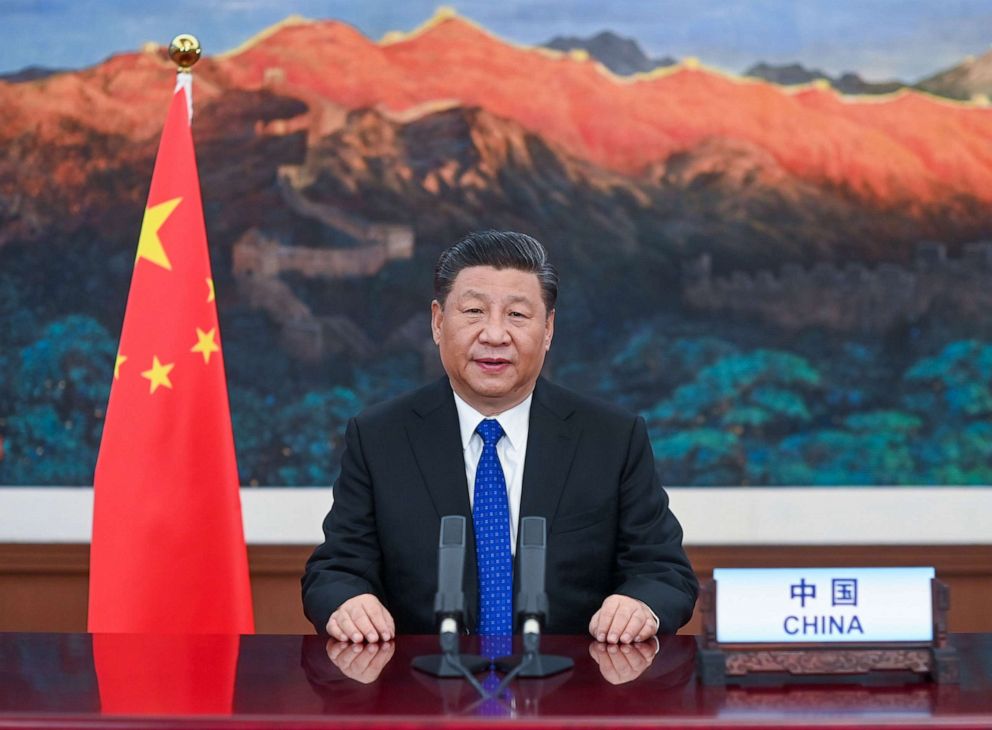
[[185, 51]]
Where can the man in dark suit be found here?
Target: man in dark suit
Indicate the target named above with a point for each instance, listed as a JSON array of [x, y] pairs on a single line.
[[615, 563]]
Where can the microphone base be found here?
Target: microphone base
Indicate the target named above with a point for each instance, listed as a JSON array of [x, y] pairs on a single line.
[[437, 666], [541, 665]]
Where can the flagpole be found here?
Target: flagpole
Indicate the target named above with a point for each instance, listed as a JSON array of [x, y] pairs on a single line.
[[185, 51]]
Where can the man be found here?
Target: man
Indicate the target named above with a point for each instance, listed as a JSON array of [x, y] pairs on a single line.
[[615, 563]]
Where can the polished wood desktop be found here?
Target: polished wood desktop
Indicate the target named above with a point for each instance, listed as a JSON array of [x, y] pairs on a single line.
[[299, 682]]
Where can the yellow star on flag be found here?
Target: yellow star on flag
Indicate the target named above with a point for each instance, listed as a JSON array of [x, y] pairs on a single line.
[[210, 289], [205, 343], [121, 359], [149, 244], [159, 374]]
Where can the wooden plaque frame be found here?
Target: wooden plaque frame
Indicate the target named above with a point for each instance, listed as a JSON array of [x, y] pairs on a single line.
[[834, 663]]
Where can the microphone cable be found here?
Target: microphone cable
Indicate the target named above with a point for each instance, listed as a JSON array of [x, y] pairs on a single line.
[[455, 661], [449, 650], [525, 662]]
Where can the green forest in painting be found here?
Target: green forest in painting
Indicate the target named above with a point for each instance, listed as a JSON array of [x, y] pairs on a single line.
[[719, 411]]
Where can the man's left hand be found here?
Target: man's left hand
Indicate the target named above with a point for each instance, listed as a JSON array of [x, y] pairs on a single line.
[[622, 619]]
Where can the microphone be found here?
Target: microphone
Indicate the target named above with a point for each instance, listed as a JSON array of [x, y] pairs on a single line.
[[532, 606], [532, 601], [449, 606], [449, 603]]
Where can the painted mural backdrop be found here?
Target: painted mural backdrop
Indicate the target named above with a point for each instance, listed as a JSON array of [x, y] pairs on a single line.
[[788, 273]]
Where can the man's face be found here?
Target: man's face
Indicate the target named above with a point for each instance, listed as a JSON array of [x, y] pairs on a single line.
[[493, 333]]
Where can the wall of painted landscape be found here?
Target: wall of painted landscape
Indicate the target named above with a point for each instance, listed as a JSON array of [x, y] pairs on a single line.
[[789, 276]]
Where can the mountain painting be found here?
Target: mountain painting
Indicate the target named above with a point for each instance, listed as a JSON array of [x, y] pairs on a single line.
[[786, 271]]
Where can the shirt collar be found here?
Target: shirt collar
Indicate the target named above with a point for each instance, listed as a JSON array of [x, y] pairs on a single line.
[[514, 421]]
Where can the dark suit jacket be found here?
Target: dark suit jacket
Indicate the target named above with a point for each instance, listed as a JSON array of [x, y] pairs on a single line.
[[589, 471]]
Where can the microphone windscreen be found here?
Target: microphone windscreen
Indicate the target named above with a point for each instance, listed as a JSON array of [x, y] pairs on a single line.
[[532, 532], [452, 530]]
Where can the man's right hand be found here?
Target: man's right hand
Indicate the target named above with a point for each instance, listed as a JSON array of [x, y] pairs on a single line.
[[362, 618]]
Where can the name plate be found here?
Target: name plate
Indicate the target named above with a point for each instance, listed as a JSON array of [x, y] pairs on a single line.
[[816, 605]]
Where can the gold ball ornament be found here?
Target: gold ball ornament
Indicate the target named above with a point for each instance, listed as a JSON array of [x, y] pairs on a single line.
[[185, 51]]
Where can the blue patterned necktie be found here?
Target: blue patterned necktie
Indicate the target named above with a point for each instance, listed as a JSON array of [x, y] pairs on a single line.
[[491, 519]]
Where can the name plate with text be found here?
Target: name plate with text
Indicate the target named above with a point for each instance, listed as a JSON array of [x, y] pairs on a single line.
[[816, 605]]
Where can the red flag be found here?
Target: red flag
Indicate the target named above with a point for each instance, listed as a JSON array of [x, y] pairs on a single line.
[[168, 551]]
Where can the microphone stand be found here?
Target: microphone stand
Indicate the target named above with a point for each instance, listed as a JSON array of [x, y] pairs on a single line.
[[532, 608], [451, 663], [449, 606], [532, 663]]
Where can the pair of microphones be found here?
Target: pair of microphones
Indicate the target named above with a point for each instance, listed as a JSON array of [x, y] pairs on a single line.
[[531, 608]]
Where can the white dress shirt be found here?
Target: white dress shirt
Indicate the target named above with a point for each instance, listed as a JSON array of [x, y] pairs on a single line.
[[511, 450]]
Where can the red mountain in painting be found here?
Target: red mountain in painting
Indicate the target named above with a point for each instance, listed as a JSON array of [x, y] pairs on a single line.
[[906, 148]]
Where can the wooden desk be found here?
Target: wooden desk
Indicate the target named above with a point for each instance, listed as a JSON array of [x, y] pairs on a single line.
[[289, 682]]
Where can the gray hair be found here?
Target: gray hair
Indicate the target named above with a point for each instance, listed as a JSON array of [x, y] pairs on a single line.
[[501, 250]]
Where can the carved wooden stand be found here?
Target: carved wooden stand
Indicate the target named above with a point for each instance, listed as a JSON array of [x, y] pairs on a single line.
[[855, 663]]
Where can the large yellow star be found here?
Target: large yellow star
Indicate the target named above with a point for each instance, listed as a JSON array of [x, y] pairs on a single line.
[[159, 374], [205, 343], [149, 244], [117, 365], [210, 289]]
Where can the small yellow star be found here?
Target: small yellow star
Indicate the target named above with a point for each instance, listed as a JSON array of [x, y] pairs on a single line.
[[159, 374], [205, 343], [149, 244], [210, 289], [121, 359]]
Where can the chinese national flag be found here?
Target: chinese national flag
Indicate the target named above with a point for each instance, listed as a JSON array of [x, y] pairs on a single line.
[[168, 551]]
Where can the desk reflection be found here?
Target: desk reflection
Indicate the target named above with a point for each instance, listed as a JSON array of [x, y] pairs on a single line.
[[360, 662], [622, 663], [354, 676], [66, 680]]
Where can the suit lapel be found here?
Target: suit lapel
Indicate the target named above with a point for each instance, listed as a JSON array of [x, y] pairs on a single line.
[[551, 442], [437, 445], [435, 438]]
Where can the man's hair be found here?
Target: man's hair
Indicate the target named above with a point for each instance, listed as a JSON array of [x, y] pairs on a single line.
[[501, 250]]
